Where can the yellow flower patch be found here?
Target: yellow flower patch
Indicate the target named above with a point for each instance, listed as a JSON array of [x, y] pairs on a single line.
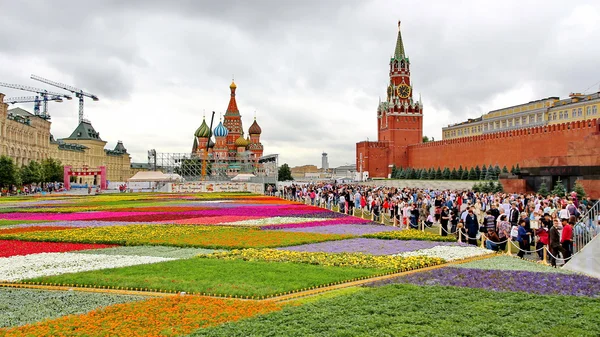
[[357, 260]]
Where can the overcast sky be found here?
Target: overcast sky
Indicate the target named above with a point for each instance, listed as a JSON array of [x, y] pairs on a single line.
[[312, 70]]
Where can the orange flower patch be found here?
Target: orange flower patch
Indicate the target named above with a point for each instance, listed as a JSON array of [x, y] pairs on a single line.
[[32, 229], [170, 316]]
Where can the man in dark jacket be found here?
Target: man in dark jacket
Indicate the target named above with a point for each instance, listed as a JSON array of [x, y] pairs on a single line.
[[554, 242], [472, 226]]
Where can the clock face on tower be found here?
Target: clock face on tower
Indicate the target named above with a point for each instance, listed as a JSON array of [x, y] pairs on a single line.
[[403, 91]]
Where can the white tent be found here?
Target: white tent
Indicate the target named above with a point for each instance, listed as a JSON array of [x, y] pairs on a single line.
[[152, 176], [587, 261], [243, 177]]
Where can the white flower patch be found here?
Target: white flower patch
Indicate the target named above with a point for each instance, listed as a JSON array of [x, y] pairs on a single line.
[[272, 221], [16, 268], [448, 253]]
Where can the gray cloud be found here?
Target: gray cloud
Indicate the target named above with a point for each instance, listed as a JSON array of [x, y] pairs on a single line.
[[313, 70]]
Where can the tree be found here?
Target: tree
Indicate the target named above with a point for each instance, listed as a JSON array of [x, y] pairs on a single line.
[[497, 171], [414, 174], [446, 173], [424, 175], [431, 173], [285, 173], [454, 175], [483, 173], [465, 175], [512, 170], [559, 189], [472, 174], [517, 170], [460, 172], [491, 186], [579, 190], [476, 188], [543, 190], [52, 170], [8, 172], [31, 173], [504, 169], [425, 139], [393, 175], [438, 174], [492, 173], [499, 188], [477, 172], [402, 174]]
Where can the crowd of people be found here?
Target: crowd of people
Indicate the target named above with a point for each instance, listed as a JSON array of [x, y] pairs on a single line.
[[528, 220], [32, 189]]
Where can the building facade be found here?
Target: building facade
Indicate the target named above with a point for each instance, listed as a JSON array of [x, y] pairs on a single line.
[[230, 153], [550, 138], [25, 137]]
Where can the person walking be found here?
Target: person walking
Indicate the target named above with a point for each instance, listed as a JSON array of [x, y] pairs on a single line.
[[472, 226], [554, 242]]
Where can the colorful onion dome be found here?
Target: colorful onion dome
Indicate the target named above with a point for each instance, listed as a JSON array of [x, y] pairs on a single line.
[[254, 128], [221, 131], [203, 131], [241, 142], [232, 86]]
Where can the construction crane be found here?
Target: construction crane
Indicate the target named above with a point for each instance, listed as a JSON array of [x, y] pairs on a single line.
[[78, 92], [42, 92], [38, 100]]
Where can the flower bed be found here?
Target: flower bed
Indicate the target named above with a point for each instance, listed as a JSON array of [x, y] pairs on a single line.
[[355, 260], [411, 234], [271, 221], [13, 247], [18, 229], [369, 246], [347, 220], [170, 316], [511, 263], [497, 280], [219, 277], [21, 267], [178, 235], [449, 253], [25, 306], [159, 251], [348, 229]]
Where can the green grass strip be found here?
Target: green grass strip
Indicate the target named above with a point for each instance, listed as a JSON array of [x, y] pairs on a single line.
[[408, 310], [212, 276]]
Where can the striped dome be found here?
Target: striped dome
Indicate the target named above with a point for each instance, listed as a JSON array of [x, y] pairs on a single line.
[[221, 131], [203, 131], [254, 129]]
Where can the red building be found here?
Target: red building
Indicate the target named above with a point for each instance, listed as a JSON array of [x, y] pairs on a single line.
[[399, 121], [569, 151]]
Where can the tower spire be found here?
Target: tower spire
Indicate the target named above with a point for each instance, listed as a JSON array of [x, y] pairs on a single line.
[[399, 51]]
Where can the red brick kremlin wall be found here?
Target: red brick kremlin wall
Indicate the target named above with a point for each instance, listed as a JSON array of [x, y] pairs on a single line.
[[567, 144]]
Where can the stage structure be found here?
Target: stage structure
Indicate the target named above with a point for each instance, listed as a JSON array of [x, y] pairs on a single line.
[[189, 166]]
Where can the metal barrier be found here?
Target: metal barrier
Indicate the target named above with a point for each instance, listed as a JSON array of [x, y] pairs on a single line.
[[587, 227]]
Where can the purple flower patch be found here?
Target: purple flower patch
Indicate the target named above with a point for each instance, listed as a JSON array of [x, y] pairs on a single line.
[[344, 229], [502, 280], [368, 246]]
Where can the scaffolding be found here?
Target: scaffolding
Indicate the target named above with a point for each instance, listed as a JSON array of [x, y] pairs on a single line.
[[219, 168]]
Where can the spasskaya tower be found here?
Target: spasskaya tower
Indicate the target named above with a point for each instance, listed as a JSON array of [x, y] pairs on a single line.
[[399, 121]]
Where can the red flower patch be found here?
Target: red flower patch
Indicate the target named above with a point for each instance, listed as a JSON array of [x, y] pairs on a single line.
[[32, 229], [14, 247]]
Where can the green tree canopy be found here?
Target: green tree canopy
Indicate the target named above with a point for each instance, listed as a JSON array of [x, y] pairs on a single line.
[[483, 173], [454, 175], [446, 173], [465, 174], [543, 190], [52, 170], [559, 188], [285, 173], [472, 174], [424, 175], [579, 190], [8, 172], [31, 173]]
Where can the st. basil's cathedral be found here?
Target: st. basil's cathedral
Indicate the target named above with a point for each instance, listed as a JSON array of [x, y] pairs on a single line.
[[230, 153]]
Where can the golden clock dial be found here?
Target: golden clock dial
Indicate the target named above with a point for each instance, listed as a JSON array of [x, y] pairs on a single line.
[[404, 91]]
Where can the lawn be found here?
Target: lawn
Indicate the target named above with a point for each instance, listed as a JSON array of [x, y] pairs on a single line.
[[214, 276], [408, 310], [178, 235]]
